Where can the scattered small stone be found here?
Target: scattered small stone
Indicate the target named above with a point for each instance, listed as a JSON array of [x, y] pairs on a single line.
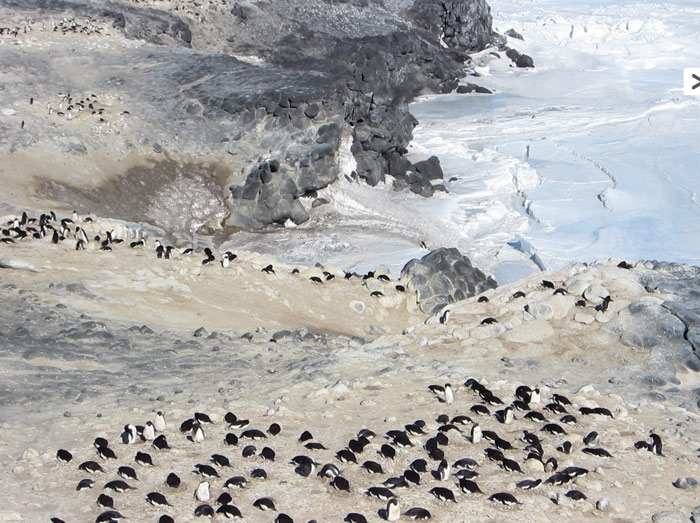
[[669, 516], [603, 504], [685, 483]]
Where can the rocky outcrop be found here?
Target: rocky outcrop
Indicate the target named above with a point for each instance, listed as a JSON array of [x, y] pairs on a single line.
[[444, 276], [213, 80]]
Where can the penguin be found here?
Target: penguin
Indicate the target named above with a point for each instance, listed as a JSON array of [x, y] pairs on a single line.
[[127, 473], [221, 461], [206, 471], [469, 486], [510, 465], [393, 512], [129, 435], [149, 431], [480, 410], [590, 438], [85, 484], [576, 495], [305, 468], [160, 443], [381, 493], [418, 514], [81, 235], [656, 444], [346, 456], [236, 482], [372, 467], [268, 269], [108, 517], [64, 456], [157, 499], [554, 429], [476, 433], [533, 415], [204, 510], [226, 260], [387, 451], [267, 454], [224, 499], [118, 485], [555, 408], [505, 416], [443, 471], [395, 482], [91, 467], [210, 257], [366, 433], [443, 494], [329, 470], [449, 395], [445, 317], [229, 511], [504, 498], [143, 459], [197, 435], [258, 474], [598, 452], [173, 480], [603, 307], [105, 501], [202, 492], [354, 517], [340, 483], [568, 419], [565, 448], [461, 419], [529, 484], [254, 434]]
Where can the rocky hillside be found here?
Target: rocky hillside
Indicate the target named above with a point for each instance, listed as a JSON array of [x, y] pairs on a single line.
[[270, 100]]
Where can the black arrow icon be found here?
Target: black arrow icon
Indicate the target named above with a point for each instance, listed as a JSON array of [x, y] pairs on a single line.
[[696, 77]]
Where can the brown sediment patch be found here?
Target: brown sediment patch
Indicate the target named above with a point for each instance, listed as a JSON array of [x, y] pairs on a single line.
[[176, 196]]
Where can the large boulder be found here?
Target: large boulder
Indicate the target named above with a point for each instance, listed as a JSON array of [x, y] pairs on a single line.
[[444, 276]]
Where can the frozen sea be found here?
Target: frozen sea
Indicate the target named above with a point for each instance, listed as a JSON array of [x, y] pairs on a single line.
[[594, 153]]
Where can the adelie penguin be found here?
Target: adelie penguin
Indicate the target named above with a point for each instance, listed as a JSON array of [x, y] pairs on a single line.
[[157, 499], [160, 424], [444, 317], [449, 395], [209, 256], [393, 512], [443, 494], [418, 514], [227, 258]]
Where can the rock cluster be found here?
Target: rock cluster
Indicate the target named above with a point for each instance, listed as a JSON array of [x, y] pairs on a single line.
[[444, 276]]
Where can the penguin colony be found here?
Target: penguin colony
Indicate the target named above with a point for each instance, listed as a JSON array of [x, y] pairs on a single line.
[[87, 234], [498, 452]]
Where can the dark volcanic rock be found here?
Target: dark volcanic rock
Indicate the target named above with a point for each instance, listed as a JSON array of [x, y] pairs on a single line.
[[444, 276], [520, 59]]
